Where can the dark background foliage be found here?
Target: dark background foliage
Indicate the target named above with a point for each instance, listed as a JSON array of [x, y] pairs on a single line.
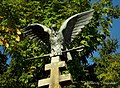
[[17, 14]]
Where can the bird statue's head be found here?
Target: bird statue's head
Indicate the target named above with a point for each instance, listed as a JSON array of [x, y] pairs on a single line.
[[54, 27]]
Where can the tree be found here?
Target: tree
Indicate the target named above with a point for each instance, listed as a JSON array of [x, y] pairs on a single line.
[[17, 14], [108, 65]]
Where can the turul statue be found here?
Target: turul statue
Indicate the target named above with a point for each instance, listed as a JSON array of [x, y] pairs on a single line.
[[57, 40]]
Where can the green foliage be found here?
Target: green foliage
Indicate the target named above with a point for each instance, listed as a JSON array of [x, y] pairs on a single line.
[[108, 47], [108, 71], [16, 14], [108, 66]]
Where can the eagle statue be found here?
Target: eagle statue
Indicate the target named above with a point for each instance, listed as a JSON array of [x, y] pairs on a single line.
[[57, 40]]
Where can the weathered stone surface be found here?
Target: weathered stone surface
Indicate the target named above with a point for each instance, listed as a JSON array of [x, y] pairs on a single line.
[[43, 82], [55, 77], [57, 64], [65, 77]]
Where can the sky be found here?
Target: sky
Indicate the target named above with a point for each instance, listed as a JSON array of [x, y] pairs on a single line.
[[115, 30], [115, 33]]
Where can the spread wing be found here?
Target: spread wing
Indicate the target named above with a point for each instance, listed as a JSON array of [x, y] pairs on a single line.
[[38, 32], [72, 26]]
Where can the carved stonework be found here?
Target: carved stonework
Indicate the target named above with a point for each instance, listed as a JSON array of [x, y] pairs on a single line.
[[55, 77]]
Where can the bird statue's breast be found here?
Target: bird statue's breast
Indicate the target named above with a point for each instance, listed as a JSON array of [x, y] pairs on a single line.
[[56, 44]]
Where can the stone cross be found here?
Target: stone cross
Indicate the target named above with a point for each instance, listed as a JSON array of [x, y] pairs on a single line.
[[55, 77]]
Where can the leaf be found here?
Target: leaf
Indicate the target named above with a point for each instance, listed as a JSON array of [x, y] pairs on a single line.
[[26, 81], [29, 76], [110, 22], [1, 43], [33, 85], [7, 45], [18, 32], [87, 37], [84, 42], [39, 64], [33, 67], [17, 38], [2, 38], [7, 29], [1, 17], [98, 39], [2, 28]]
